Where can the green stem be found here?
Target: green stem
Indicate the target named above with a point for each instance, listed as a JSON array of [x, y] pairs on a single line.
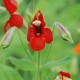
[[49, 50], [24, 30], [25, 49], [48, 53], [38, 76], [33, 1], [79, 64], [1, 49], [1, 56]]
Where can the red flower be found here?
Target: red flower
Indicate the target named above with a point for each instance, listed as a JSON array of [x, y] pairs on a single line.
[[38, 35], [66, 74], [15, 20], [11, 5]]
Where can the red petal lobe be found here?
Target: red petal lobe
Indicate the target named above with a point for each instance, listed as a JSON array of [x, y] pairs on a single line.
[[11, 5], [6, 25], [48, 35], [31, 33], [37, 43], [66, 74], [16, 20], [39, 16]]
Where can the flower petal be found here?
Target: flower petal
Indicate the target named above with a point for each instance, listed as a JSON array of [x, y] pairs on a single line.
[[31, 33], [66, 74], [6, 25], [11, 5], [16, 20], [48, 35], [37, 43], [39, 16]]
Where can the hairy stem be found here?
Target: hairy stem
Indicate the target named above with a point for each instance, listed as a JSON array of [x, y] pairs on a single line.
[[1, 56], [48, 53], [33, 1], [38, 76], [49, 49]]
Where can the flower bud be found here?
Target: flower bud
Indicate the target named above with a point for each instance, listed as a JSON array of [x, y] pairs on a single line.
[[64, 33], [7, 38], [2, 8]]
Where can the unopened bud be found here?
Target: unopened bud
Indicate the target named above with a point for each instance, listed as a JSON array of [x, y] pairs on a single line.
[[2, 8], [64, 33], [7, 38]]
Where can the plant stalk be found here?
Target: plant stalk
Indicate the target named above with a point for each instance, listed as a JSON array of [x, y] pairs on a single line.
[[47, 57], [26, 50], [33, 1], [38, 76]]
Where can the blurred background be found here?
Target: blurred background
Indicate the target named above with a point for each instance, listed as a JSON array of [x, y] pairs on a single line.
[[65, 11]]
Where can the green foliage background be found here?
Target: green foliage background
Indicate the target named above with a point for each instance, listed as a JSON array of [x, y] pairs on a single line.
[[65, 11]]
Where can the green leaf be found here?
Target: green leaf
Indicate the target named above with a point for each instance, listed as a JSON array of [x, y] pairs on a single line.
[[60, 62], [8, 73], [22, 64]]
